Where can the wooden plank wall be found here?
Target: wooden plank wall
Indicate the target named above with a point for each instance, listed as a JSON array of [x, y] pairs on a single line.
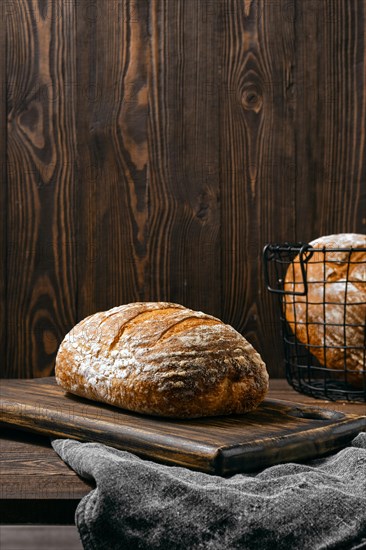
[[154, 147], [3, 207]]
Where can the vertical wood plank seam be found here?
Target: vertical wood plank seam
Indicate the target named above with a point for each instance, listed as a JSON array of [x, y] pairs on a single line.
[[295, 72], [4, 175], [221, 42], [362, 118], [77, 173]]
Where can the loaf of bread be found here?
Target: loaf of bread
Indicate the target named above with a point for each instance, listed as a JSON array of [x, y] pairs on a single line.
[[163, 359], [331, 318]]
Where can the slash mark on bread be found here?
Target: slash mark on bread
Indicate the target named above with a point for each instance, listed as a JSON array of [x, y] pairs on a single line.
[[137, 318], [184, 324]]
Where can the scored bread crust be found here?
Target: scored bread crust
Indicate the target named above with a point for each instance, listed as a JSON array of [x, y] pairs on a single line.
[[163, 359], [317, 319]]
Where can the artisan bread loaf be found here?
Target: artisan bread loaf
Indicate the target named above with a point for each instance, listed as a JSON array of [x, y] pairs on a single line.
[[330, 319], [161, 358]]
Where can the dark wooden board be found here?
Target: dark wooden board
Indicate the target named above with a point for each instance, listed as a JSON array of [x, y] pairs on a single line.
[[278, 431]]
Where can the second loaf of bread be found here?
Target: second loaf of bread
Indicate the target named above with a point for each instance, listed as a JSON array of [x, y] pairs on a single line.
[[162, 359], [329, 319]]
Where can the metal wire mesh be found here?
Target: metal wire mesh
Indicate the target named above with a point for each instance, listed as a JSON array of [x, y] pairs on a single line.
[[322, 317]]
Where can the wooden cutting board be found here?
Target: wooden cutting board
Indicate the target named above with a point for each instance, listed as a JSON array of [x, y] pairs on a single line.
[[278, 431]]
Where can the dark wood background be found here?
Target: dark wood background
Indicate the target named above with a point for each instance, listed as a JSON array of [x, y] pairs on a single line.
[[152, 148]]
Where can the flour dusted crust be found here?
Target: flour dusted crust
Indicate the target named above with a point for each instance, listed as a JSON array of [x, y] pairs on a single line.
[[161, 358], [318, 318]]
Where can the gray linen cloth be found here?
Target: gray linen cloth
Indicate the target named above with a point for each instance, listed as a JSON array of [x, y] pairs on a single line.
[[139, 504]]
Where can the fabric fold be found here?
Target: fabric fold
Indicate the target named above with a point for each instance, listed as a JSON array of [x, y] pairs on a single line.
[[140, 504]]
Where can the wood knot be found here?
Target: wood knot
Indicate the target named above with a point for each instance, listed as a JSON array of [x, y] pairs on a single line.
[[203, 211], [50, 342], [252, 99], [204, 205]]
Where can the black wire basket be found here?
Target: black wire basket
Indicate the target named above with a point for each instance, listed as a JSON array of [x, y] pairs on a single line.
[[322, 317]]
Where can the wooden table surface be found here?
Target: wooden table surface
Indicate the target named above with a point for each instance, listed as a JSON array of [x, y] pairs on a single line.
[[36, 486]]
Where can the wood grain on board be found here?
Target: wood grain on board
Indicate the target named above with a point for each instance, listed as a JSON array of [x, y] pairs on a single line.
[[37, 486], [275, 432]]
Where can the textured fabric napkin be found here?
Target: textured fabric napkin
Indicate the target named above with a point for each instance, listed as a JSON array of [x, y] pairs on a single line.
[[138, 504]]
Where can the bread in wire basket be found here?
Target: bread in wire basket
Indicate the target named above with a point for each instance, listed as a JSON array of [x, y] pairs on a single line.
[[330, 319]]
